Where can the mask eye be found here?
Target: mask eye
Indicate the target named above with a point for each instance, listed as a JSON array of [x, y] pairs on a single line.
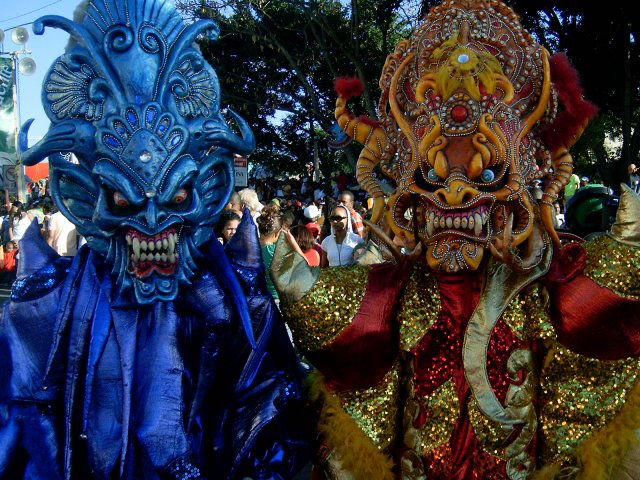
[[180, 197], [119, 200]]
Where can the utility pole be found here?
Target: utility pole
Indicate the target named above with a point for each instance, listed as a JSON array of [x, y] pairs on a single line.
[[26, 66]]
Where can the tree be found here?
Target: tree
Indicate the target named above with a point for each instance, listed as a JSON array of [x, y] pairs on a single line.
[[277, 61]]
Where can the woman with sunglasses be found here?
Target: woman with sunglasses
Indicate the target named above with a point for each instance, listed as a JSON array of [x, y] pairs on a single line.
[[337, 248]]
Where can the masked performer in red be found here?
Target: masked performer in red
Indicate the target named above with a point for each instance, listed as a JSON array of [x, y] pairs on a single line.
[[496, 349]]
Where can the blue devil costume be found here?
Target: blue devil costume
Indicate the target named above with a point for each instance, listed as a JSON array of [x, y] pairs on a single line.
[[154, 353]]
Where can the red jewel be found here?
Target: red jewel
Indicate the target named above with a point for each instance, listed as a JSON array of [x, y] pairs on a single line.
[[459, 113]]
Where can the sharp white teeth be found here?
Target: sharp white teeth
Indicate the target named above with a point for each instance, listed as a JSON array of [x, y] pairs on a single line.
[[432, 215], [136, 246], [165, 243], [443, 222], [158, 257], [456, 222], [151, 246], [429, 228], [143, 257], [478, 226], [472, 223], [128, 239], [172, 243], [172, 258], [164, 257], [449, 222], [158, 244], [464, 222], [143, 245], [485, 217]]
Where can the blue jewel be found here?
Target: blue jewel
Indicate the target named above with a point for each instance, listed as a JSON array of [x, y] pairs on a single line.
[[112, 142], [151, 115], [488, 176], [433, 176], [131, 117]]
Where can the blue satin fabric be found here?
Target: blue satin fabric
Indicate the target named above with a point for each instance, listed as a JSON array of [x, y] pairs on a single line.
[[93, 385]]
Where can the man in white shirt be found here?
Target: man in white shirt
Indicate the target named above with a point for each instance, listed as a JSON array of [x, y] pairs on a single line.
[[63, 236]]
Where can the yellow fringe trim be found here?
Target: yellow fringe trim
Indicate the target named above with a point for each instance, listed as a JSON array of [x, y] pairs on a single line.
[[548, 472], [354, 450], [600, 455]]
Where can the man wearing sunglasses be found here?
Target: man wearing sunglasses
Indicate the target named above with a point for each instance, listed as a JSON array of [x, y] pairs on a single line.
[[346, 200]]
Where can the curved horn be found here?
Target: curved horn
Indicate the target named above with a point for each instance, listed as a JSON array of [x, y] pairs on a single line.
[[83, 37], [377, 147], [186, 38], [222, 136], [562, 168], [515, 182], [69, 136]]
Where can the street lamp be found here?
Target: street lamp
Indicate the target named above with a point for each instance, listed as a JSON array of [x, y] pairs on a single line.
[[26, 66]]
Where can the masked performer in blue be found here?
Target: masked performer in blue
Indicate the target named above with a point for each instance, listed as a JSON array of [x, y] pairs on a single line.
[[154, 353]]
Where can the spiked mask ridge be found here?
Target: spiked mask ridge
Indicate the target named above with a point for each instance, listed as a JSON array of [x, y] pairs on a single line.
[[134, 100]]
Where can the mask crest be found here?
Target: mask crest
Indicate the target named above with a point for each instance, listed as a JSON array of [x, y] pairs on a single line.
[[136, 103]]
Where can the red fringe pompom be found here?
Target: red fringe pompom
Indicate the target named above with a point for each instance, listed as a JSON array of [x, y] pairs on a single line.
[[577, 110], [348, 87]]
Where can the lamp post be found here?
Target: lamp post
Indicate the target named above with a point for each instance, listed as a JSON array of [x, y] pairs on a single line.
[[25, 66]]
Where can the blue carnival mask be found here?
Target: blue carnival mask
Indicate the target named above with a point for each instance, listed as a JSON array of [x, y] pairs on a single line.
[[138, 105]]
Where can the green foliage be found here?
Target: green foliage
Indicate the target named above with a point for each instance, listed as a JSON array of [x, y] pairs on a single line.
[[277, 61]]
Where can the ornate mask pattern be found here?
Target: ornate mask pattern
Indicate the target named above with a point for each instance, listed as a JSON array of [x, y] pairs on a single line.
[[468, 118], [138, 105]]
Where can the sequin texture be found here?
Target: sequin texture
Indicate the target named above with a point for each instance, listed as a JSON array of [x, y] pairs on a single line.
[[439, 415], [579, 396], [614, 265], [375, 409], [420, 307], [324, 312], [41, 282], [528, 314]]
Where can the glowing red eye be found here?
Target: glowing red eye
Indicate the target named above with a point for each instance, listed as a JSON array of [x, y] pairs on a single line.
[[180, 196], [119, 200]]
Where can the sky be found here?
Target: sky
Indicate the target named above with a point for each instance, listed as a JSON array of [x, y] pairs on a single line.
[[45, 48]]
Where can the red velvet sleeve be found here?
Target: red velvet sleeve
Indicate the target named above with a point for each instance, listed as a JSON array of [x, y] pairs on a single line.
[[589, 319]]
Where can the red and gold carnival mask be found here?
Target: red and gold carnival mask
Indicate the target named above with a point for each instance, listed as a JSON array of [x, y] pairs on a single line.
[[468, 119]]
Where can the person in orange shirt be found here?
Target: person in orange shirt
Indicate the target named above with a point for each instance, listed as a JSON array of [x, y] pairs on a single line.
[[8, 263]]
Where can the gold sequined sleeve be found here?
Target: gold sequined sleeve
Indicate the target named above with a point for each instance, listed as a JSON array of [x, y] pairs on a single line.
[[327, 308], [614, 265]]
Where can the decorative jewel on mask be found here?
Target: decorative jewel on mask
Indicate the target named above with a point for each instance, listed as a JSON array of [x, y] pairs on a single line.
[[488, 176], [145, 156], [463, 58], [433, 176], [150, 193], [459, 115]]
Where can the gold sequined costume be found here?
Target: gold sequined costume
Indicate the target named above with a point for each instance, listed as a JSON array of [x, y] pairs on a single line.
[[496, 349]]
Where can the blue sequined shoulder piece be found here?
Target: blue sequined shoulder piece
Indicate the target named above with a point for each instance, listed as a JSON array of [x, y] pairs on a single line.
[[42, 281]]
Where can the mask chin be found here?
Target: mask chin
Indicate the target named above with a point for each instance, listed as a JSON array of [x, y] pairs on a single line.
[[155, 288], [454, 256]]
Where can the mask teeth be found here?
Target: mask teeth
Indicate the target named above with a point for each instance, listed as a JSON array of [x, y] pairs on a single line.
[[161, 248], [472, 221]]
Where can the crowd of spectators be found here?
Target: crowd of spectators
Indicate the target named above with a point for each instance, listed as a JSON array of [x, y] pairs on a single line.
[[321, 221], [17, 216]]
